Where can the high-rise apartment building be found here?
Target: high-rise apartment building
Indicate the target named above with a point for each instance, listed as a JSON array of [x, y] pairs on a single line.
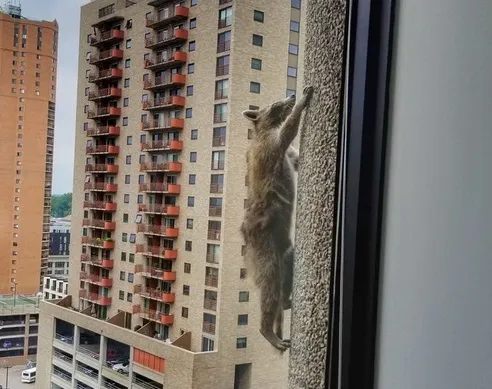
[[157, 272], [28, 63]]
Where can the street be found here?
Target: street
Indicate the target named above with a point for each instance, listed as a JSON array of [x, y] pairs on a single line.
[[14, 378]]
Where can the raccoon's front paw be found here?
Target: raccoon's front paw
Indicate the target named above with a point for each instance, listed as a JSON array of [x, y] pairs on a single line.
[[308, 92]]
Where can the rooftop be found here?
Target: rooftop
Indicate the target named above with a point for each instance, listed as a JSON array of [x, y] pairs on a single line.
[[10, 304]]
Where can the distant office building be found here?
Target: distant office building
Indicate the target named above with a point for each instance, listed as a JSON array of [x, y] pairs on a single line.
[[55, 287], [59, 247]]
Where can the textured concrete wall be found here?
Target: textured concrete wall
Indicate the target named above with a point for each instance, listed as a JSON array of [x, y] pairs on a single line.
[[325, 24]]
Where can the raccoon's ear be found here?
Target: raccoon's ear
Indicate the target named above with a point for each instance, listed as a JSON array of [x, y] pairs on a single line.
[[251, 115]]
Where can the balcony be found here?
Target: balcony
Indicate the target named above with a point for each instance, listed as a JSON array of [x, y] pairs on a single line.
[[213, 235], [103, 112], [105, 56], [107, 37], [103, 131], [215, 211], [156, 251], [223, 46], [96, 261], [100, 205], [170, 102], [152, 229], [155, 272], [212, 281], [102, 149], [209, 328], [101, 187], [210, 304], [101, 168], [166, 38], [154, 294], [168, 124], [218, 141], [96, 279], [164, 82], [212, 258], [162, 145], [153, 315], [159, 209], [167, 167], [217, 188], [166, 16], [160, 187], [166, 60], [106, 75], [99, 224], [104, 93], [107, 244], [94, 297]]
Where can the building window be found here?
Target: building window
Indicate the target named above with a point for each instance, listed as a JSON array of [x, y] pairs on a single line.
[[208, 344], [140, 199], [254, 87], [191, 68], [125, 121], [126, 198], [123, 257], [129, 297], [127, 179], [293, 49], [128, 159], [258, 16], [243, 297], [192, 179], [224, 42], [186, 290], [187, 267], [129, 140], [222, 66], [241, 342], [184, 312], [191, 201], [121, 295], [219, 136], [218, 160], [220, 113], [194, 134], [126, 83], [122, 276], [242, 273], [222, 89], [192, 23], [193, 156], [124, 237], [256, 63], [131, 257], [191, 46], [296, 4], [193, 3], [189, 113], [128, 43], [291, 71], [189, 224], [225, 17], [242, 320], [125, 218], [128, 63], [188, 245], [290, 92], [130, 277], [294, 26], [189, 90], [250, 133], [126, 102], [257, 40]]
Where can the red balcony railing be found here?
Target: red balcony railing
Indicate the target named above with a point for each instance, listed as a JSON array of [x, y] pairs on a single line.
[[103, 56], [101, 187], [164, 103], [101, 168], [156, 272], [156, 251], [104, 112], [102, 205], [153, 229], [172, 167], [96, 279], [107, 37], [166, 16], [160, 187], [166, 60], [165, 81], [102, 149], [107, 74], [104, 93], [167, 124], [153, 315], [94, 297], [96, 261], [155, 294], [107, 244], [174, 145], [103, 130], [163, 209], [99, 223], [166, 37]]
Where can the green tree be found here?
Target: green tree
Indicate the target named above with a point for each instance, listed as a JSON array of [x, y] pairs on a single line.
[[61, 205]]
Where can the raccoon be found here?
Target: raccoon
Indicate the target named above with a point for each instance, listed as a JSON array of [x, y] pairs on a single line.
[[267, 222]]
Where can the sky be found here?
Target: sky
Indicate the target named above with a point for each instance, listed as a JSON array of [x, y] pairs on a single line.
[[67, 13]]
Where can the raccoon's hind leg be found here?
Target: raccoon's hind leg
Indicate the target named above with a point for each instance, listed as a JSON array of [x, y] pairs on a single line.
[[287, 277]]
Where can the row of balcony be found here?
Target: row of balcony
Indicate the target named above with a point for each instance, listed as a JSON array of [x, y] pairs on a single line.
[[171, 167], [153, 229], [150, 314], [107, 37], [160, 209], [160, 187], [166, 16], [96, 279], [157, 251], [104, 93], [164, 81], [154, 294], [162, 145], [97, 261], [102, 149], [101, 168], [94, 297], [155, 272], [171, 36], [149, 125], [107, 244], [101, 205], [101, 187], [99, 224]]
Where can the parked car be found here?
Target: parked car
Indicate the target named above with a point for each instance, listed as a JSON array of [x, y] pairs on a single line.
[[123, 367], [30, 364], [7, 344]]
